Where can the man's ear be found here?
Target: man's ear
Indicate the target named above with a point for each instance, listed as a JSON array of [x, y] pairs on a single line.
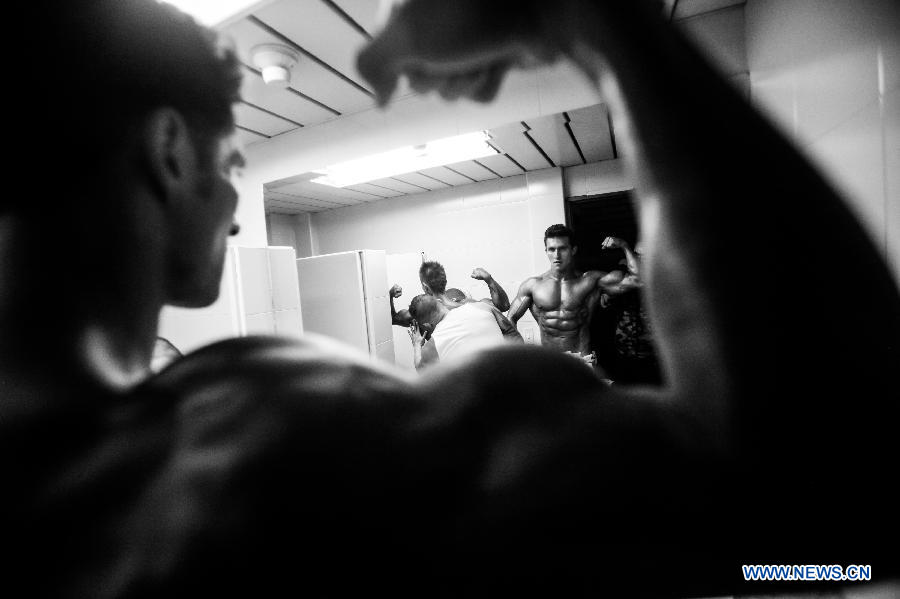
[[168, 151], [574, 249]]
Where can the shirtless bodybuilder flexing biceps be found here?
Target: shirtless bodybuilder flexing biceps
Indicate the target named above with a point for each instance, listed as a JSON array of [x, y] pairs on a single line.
[[562, 299]]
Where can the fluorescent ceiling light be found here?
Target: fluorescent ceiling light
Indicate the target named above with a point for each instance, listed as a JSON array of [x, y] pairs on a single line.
[[212, 12], [407, 160]]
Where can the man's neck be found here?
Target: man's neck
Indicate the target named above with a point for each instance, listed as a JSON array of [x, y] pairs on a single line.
[[66, 319], [561, 274], [119, 360]]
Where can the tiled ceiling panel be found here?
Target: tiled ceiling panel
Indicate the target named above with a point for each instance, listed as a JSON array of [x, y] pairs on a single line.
[[308, 76], [363, 12], [421, 180], [376, 190], [325, 192], [399, 185], [245, 137], [514, 140], [501, 165], [325, 85], [530, 146], [288, 103], [473, 170], [314, 25], [262, 121], [591, 128], [286, 199], [552, 134], [446, 175]]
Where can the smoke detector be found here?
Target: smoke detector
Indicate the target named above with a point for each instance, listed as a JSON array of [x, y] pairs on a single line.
[[275, 62]]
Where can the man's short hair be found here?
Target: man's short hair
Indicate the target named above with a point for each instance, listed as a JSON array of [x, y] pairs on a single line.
[[433, 274], [423, 308], [119, 60], [559, 230]]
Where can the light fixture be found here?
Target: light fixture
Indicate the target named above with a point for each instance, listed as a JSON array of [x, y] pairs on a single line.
[[408, 159], [275, 62]]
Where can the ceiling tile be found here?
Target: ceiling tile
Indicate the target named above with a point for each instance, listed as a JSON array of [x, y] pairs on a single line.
[[512, 140], [364, 12], [592, 132], [324, 192], [286, 102], [319, 30], [285, 207], [261, 121], [501, 165], [447, 176], [473, 170], [376, 190], [399, 185], [289, 198], [307, 76], [246, 138], [552, 135], [422, 181]]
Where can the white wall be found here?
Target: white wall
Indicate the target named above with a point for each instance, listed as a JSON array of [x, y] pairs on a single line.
[[828, 72], [290, 230], [491, 224]]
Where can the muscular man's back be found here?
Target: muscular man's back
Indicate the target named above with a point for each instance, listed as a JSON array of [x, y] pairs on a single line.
[[200, 483]]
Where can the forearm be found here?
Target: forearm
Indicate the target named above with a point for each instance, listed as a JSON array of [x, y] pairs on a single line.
[[632, 262], [498, 295], [424, 355], [417, 355], [393, 310]]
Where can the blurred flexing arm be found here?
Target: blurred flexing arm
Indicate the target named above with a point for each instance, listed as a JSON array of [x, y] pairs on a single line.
[[693, 187]]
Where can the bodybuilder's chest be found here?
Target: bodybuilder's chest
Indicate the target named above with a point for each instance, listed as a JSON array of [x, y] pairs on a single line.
[[555, 295]]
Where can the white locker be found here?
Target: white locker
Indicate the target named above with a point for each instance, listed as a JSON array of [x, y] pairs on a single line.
[[258, 294], [345, 296]]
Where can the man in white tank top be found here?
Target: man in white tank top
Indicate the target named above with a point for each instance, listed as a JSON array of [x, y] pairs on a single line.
[[458, 332]]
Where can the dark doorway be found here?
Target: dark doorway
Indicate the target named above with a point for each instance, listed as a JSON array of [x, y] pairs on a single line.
[[593, 219]]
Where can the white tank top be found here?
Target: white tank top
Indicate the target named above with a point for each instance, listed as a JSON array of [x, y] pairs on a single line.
[[465, 330]]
